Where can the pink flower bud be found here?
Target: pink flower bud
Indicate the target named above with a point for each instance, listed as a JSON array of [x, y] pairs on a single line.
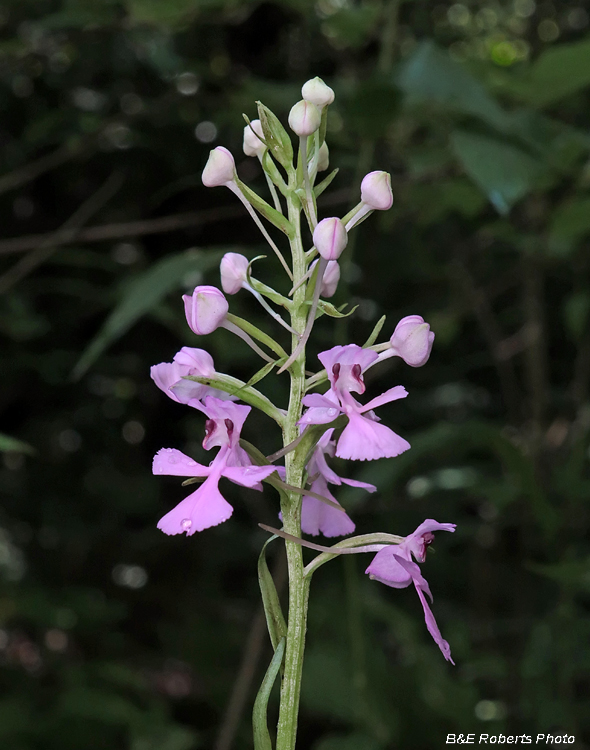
[[412, 340], [376, 191], [304, 118], [253, 146], [220, 168], [330, 238], [205, 309], [317, 92], [330, 279], [323, 157], [233, 269]]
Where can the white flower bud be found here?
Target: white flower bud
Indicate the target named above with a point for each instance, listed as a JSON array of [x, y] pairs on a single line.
[[330, 238], [317, 92], [376, 191], [220, 168], [323, 157], [233, 269], [304, 118], [330, 279], [253, 146]]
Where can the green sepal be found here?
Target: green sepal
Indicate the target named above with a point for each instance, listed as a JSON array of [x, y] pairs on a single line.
[[333, 312], [374, 333], [260, 729], [263, 372], [325, 183], [273, 295], [244, 392], [271, 170], [276, 136], [277, 627], [265, 209], [323, 124], [257, 334]]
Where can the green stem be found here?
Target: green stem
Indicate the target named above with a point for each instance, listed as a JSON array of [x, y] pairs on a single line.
[[291, 507]]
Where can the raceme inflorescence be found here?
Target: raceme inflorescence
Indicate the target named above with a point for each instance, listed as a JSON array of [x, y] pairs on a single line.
[[326, 414]]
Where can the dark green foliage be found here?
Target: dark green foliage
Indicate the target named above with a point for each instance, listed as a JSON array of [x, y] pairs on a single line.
[[115, 636]]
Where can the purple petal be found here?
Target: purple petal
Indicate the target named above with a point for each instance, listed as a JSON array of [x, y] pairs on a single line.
[[433, 628], [391, 395], [415, 542], [361, 485], [167, 374], [323, 408], [171, 462], [248, 476], [318, 517], [386, 568], [202, 509], [199, 362], [365, 440]]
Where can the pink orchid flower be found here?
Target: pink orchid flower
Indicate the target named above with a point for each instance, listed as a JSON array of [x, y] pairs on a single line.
[[318, 517], [206, 506], [363, 438], [393, 566], [169, 376]]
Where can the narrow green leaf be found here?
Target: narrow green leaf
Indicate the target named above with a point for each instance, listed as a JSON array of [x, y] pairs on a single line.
[[266, 210], [277, 628], [375, 332], [13, 445], [257, 334], [261, 735], [504, 172], [271, 170], [244, 392], [141, 295], [325, 183]]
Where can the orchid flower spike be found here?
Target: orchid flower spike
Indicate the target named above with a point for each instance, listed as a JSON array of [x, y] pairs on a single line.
[[170, 376], [363, 438], [318, 517], [393, 566], [206, 506]]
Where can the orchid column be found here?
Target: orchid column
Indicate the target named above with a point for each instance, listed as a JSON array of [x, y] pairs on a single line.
[[333, 423]]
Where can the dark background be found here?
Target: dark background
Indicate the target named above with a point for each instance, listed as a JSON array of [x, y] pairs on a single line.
[[113, 635]]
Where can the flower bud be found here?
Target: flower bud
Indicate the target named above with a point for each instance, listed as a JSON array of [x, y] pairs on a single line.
[[323, 157], [220, 168], [304, 118], [205, 309], [330, 279], [330, 238], [253, 146], [317, 92], [412, 340], [376, 190], [233, 269]]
